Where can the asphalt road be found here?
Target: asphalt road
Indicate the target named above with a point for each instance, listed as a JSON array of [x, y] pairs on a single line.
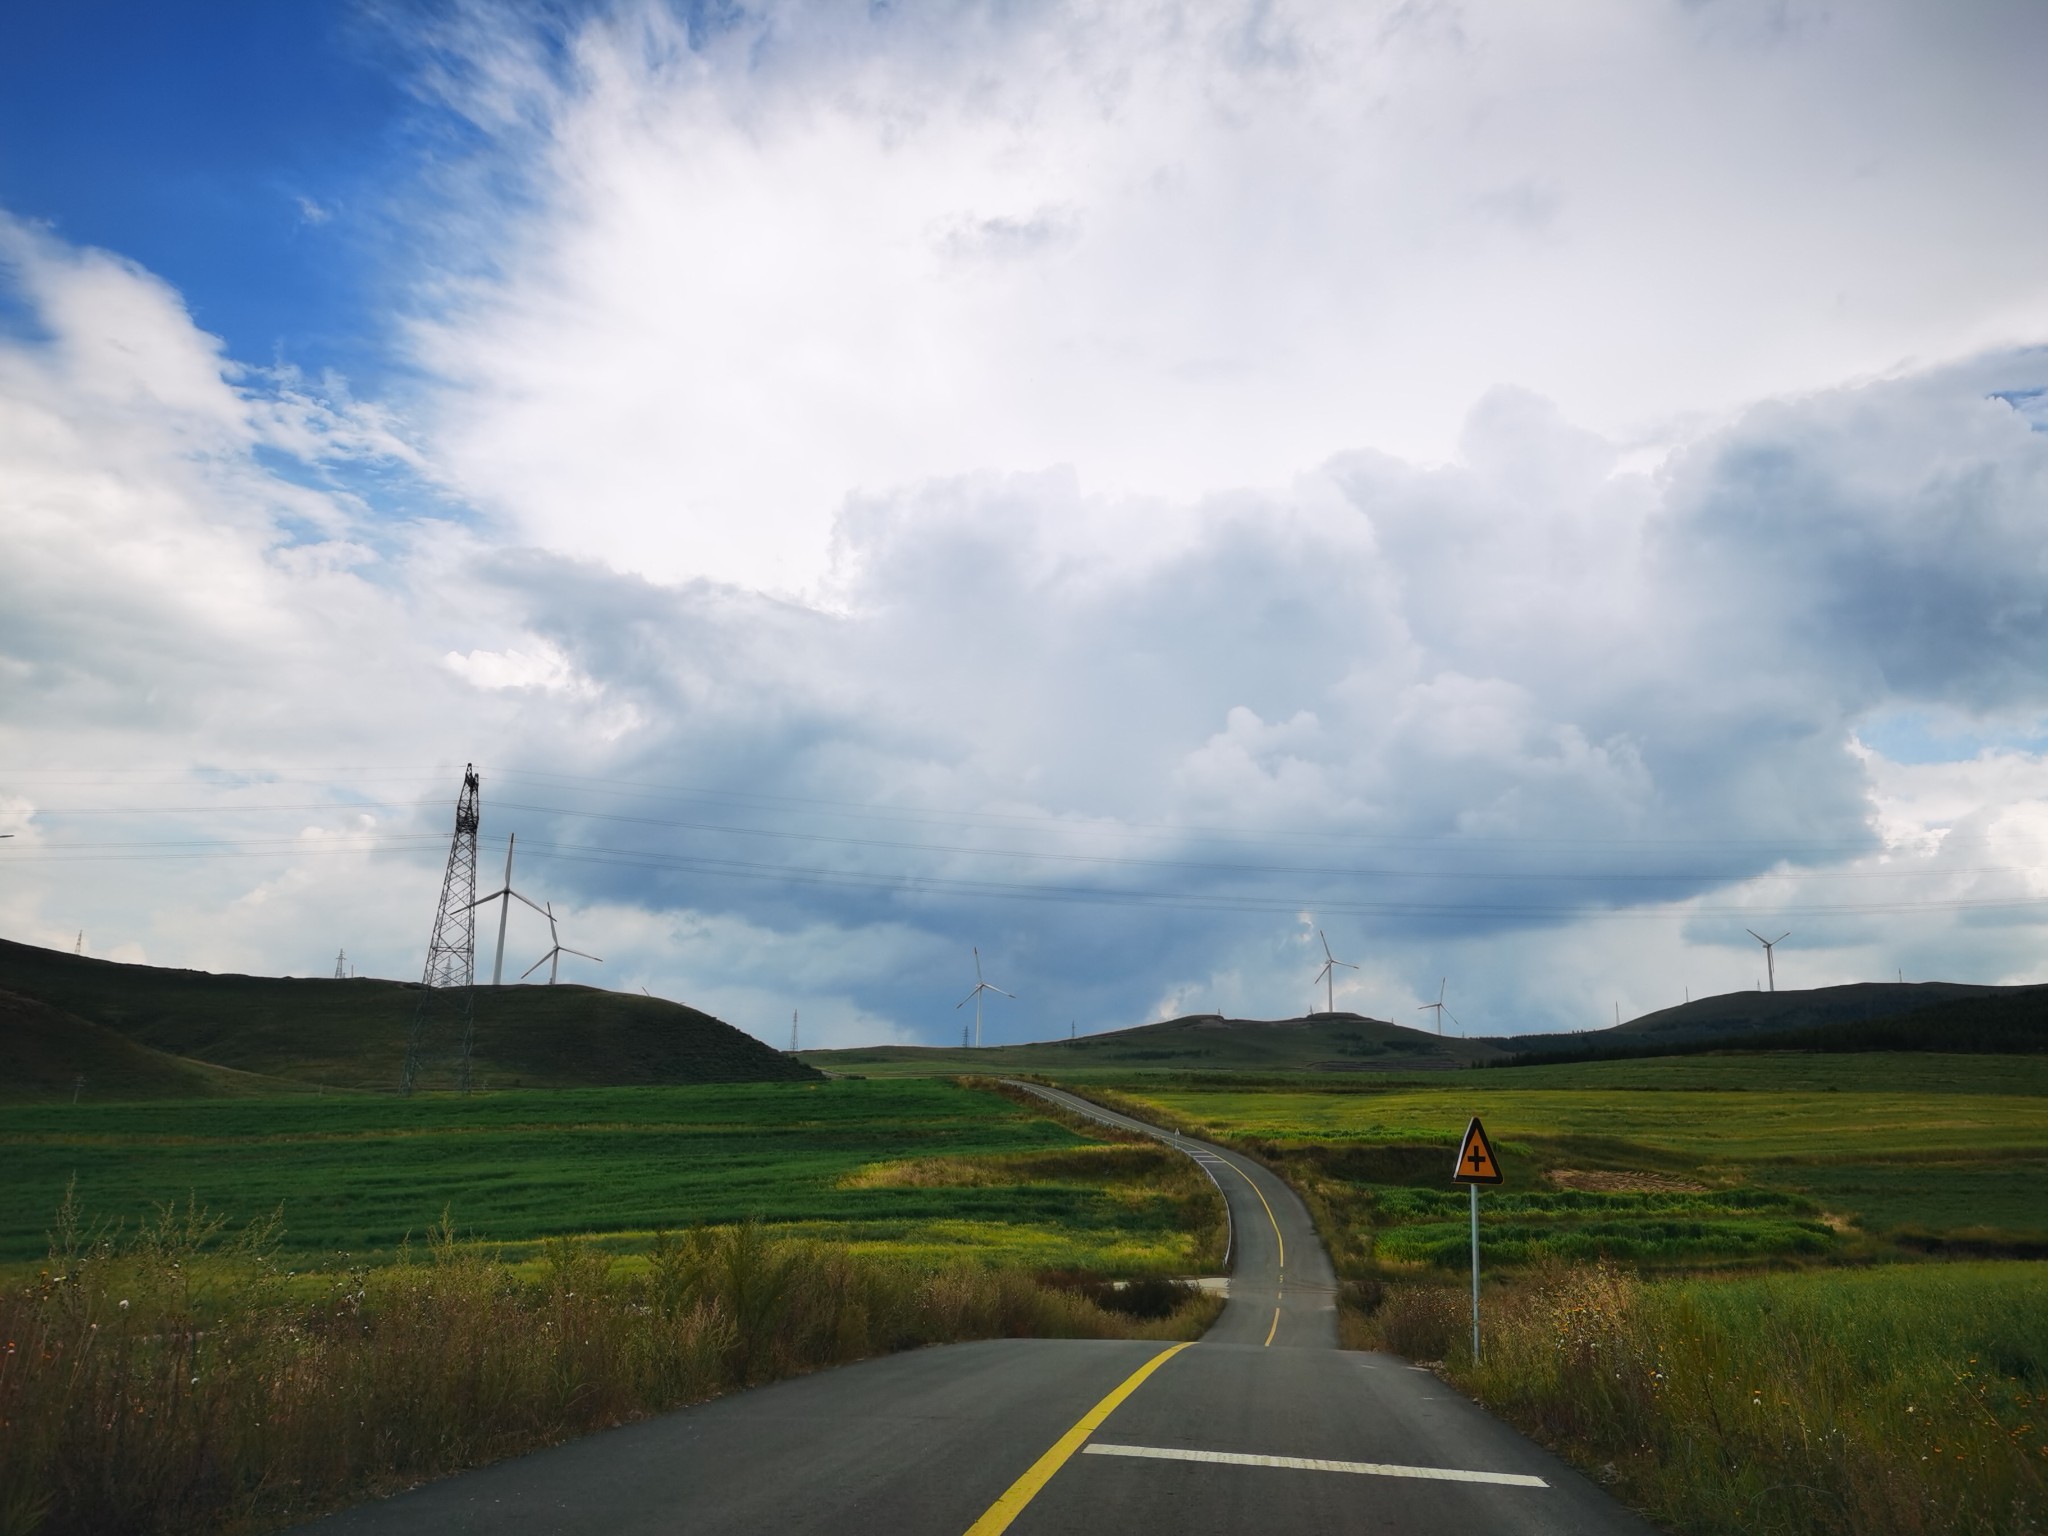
[[1264, 1426]]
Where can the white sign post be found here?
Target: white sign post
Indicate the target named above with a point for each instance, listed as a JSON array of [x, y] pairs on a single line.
[[1476, 1166]]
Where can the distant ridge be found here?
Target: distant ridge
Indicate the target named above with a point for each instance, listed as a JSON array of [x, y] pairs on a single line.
[[342, 1034], [1862, 1016], [1865, 1016], [1200, 1042]]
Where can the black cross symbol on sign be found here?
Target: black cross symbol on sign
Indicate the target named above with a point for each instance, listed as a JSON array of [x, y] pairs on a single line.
[[1476, 1163]]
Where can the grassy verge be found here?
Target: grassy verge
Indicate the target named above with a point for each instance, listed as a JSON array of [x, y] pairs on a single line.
[[176, 1382], [1897, 1401]]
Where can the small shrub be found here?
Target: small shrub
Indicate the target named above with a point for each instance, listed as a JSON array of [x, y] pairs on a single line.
[[1150, 1296]]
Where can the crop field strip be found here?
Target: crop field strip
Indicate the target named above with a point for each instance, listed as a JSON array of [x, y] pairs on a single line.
[[357, 1175], [1674, 1162]]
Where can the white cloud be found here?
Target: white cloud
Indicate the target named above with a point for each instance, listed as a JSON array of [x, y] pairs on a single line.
[[1121, 392], [758, 264]]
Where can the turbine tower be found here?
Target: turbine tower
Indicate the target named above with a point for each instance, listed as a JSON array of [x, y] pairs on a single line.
[[1439, 1008], [553, 958], [451, 949], [508, 896], [1328, 974], [1770, 963], [974, 997]]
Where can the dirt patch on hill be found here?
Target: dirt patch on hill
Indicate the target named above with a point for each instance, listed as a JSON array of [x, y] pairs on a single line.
[[1607, 1182]]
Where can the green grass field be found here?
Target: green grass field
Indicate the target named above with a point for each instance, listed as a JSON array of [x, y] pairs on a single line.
[[1678, 1161], [356, 1174]]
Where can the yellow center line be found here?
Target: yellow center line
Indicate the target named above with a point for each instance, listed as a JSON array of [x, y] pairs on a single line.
[[1275, 1328], [1025, 1489], [1269, 1211]]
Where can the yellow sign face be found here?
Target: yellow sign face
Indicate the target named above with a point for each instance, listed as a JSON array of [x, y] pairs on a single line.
[[1476, 1162]]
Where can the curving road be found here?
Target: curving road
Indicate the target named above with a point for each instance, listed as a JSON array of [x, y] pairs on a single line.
[[1263, 1426]]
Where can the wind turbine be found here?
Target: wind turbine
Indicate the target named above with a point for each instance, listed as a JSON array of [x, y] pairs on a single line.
[[508, 896], [1438, 1005], [1770, 964], [1328, 974], [974, 997], [553, 958]]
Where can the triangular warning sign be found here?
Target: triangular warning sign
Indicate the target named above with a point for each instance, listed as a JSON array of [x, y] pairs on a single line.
[[1476, 1162]]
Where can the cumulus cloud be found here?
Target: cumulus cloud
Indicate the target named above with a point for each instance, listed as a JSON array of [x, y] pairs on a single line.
[[1044, 479], [741, 265]]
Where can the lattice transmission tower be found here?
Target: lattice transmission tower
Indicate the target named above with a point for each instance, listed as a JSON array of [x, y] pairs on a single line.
[[451, 952]]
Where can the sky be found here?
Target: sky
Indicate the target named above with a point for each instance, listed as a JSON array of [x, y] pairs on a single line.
[[1531, 493]]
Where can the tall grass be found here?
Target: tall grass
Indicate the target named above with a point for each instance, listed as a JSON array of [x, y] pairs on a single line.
[[1895, 1401], [181, 1381]]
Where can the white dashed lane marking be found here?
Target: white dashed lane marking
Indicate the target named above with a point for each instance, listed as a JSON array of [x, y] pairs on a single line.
[[1310, 1464]]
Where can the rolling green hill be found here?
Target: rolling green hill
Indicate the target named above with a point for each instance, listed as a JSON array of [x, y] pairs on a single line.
[[1324, 1042], [1732, 1015], [1866, 1016], [343, 1034], [1974, 1021], [48, 1054]]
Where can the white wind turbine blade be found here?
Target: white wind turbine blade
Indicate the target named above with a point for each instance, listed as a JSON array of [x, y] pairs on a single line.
[[543, 960], [543, 911], [969, 997], [565, 949], [1345, 963], [1326, 944]]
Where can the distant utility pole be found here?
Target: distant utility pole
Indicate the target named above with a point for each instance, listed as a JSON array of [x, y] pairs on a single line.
[[1770, 963], [79, 948], [451, 950]]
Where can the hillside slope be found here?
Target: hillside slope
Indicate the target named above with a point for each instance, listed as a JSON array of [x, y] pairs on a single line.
[[353, 1033], [46, 1053], [1732, 1016], [1326, 1042]]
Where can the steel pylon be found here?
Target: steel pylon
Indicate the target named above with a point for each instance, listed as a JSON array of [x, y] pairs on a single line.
[[451, 951]]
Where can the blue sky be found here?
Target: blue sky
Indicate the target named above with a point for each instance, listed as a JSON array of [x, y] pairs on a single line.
[[1533, 495], [242, 151]]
